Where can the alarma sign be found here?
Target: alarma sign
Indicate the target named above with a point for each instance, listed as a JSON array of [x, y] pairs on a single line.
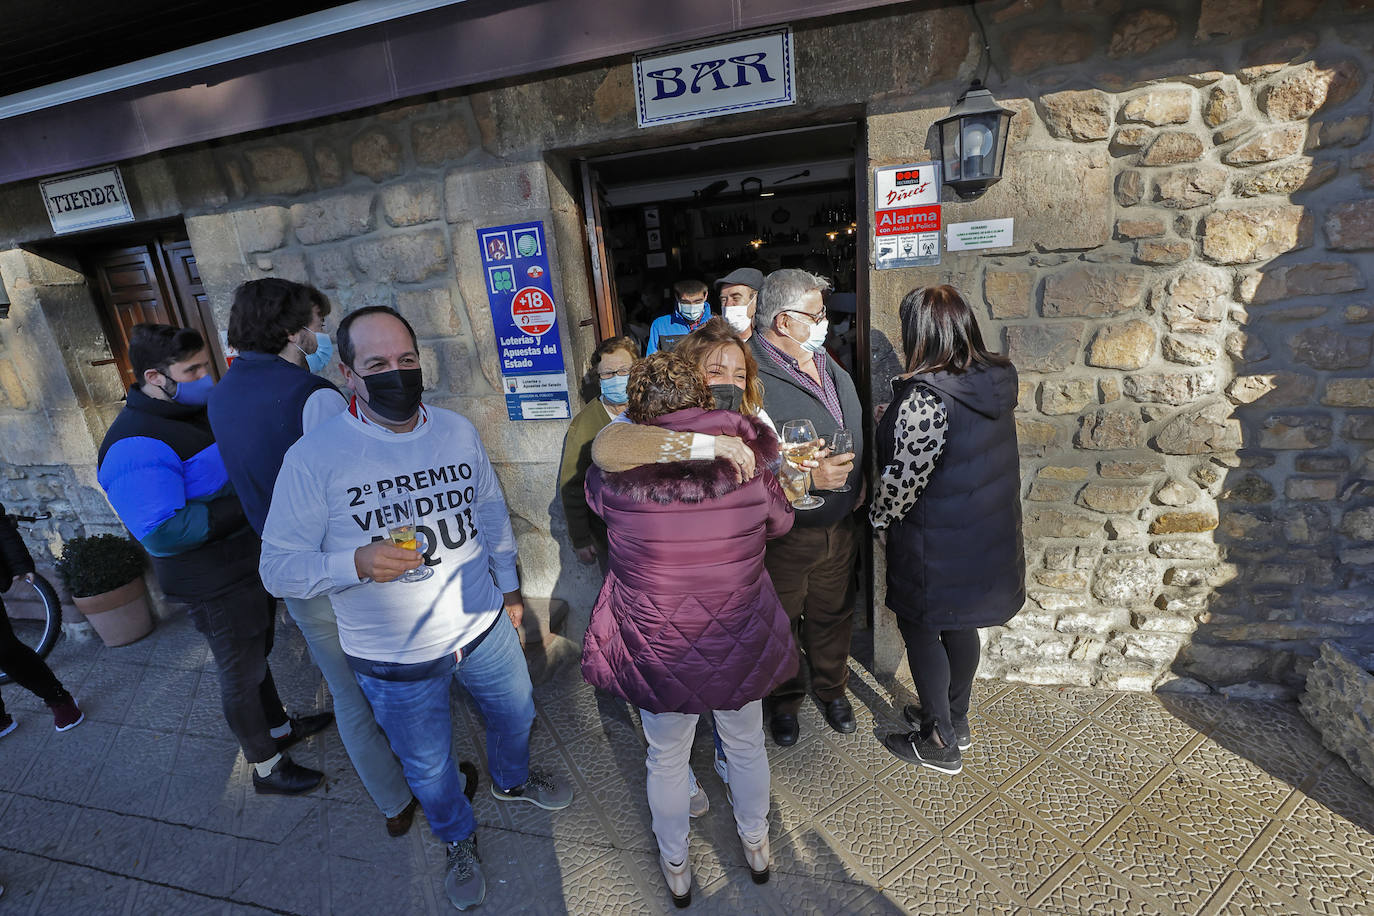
[[525, 319], [906, 215]]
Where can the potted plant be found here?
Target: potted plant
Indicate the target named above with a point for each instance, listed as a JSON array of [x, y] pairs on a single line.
[[104, 575]]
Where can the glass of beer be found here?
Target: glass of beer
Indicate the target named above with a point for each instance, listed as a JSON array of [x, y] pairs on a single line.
[[841, 443], [799, 444], [794, 484], [401, 522]]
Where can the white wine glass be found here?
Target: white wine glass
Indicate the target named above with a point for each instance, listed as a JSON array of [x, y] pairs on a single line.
[[841, 443], [799, 445], [401, 522]]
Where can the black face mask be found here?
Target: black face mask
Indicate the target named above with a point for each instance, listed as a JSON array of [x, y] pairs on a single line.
[[394, 395], [728, 397]]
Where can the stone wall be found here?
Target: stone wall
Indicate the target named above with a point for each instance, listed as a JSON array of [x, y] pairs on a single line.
[[1339, 702], [1186, 302], [52, 403], [1186, 299]]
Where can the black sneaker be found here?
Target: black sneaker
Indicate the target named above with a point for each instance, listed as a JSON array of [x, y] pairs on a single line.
[[914, 747], [539, 789], [287, 778], [463, 880], [963, 735]]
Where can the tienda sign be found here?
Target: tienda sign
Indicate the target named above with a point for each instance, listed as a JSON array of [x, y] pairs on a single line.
[[705, 79], [85, 200]]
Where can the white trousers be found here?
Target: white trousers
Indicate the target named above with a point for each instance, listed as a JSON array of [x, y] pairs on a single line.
[[670, 737]]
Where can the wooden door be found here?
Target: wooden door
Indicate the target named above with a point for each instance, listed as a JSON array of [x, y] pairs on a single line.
[[191, 298], [132, 292], [155, 282], [603, 271]]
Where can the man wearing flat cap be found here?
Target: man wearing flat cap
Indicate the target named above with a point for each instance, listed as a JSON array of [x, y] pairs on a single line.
[[739, 299]]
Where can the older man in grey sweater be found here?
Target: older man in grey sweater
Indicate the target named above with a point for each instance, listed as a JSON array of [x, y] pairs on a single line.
[[812, 565]]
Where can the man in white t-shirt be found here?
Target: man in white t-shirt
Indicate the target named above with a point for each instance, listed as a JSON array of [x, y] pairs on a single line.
[[328, 532]]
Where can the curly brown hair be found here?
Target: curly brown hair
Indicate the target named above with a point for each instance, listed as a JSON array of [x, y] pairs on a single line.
[[700, 345], [268, 311], [662, 383]]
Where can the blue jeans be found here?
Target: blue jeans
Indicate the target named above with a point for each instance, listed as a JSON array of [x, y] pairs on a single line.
[[366, 744], [416, 716]]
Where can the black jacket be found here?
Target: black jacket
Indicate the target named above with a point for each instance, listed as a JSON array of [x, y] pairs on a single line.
[[14, 555], [956, 560]]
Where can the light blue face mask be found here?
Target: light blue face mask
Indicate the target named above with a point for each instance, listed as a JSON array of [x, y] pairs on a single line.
[[193, 394], [616, 389], [318, 361], [691, 311]]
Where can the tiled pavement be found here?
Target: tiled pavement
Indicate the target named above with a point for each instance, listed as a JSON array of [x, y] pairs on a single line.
[[1071, 801]]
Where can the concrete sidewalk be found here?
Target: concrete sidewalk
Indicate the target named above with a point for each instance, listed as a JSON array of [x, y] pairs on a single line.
[[1071, 801]]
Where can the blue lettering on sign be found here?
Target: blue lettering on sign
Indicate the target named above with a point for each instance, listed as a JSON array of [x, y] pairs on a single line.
[[744, 60], [663, 78], [669, 83], [742, 72]]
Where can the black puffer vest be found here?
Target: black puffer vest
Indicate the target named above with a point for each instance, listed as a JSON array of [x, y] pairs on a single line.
[[957, 559]]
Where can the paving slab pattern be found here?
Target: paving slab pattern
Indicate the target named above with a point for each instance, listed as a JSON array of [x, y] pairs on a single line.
[[1071, 801]]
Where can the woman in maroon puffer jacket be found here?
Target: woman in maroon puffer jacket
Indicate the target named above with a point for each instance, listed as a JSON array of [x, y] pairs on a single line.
[[688, 621]]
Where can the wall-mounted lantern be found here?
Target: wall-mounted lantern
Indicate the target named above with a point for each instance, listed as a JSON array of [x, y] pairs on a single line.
[[973, 142]]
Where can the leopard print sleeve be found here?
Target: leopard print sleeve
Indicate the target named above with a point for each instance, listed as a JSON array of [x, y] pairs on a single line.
[[920, 442]]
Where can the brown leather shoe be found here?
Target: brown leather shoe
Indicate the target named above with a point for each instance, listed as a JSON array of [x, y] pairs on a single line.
[[400, 824]]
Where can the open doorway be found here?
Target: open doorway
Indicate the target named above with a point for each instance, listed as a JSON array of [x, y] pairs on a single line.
[[701, 210], [698, 211]]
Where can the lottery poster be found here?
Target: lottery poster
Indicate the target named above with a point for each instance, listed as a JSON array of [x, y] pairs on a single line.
[[520, 293]]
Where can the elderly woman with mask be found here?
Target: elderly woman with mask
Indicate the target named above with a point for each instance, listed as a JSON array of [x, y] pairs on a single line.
[[611, 364]]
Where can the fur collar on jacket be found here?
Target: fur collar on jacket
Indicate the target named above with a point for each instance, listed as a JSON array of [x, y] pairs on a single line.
[[696, 481]]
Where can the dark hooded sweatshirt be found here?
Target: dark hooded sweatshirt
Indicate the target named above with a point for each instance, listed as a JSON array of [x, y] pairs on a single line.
[[956, 560]]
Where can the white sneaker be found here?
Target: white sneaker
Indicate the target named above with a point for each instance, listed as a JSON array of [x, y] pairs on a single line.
[[679, 881], [698, 803], [757, 855]]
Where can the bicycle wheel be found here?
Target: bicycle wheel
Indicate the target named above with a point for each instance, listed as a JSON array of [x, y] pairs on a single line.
[[40, 623]]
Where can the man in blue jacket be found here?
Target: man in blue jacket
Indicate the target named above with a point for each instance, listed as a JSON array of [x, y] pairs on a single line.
[[161, 469], [690, 312]]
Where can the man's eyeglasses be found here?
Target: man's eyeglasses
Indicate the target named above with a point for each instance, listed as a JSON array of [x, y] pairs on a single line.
[[606, 376], [814, 319]]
